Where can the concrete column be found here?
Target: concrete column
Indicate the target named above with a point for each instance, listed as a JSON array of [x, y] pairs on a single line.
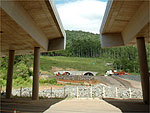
[[10, 73], [143, 68], [36, 67]]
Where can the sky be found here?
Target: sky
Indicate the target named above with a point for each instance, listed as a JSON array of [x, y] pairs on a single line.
[[84, 15]]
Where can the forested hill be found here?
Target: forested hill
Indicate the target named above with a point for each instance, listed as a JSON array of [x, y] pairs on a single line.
[[85, 44], [80, 35], [80, 44]]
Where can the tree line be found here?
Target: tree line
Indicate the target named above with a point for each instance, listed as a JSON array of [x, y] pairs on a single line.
[[85, 44]]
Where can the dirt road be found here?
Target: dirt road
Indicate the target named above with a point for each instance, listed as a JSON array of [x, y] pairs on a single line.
[[118, 82]]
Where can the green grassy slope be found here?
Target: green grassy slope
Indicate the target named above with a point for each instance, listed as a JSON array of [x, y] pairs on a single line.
[[81, 64]]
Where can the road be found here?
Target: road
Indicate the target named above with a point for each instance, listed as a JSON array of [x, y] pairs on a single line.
[[99, 106], [118, 82]]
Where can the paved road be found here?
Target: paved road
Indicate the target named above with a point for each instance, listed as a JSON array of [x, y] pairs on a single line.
[[125, 83], [132, 83], [74, 106], [118, 82], [83, 106]]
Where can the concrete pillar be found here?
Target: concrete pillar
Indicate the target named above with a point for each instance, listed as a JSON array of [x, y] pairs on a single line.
[[10, 73], [36, 67], [143, 68]]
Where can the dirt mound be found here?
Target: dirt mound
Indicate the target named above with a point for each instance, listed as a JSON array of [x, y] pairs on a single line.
[[54, 69], [83, 82], [49, 87], [70, 69]]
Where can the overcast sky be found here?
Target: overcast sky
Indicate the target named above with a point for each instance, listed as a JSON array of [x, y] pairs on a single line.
[[85, 15]]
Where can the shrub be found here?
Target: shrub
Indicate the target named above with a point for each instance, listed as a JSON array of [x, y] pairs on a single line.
[[2, 82], [22, 82], [49, 81]]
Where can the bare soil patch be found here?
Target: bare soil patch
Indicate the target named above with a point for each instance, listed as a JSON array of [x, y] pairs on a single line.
[[54, 69], [44, 87], [84, 82]]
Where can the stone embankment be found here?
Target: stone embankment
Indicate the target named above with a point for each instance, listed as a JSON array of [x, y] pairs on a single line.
[[94, 91]]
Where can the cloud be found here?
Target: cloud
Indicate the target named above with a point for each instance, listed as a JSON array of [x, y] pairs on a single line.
[[85, 15]]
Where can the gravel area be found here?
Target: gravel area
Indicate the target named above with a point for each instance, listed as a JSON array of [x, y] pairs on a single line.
[[131, 77], [113, 81]]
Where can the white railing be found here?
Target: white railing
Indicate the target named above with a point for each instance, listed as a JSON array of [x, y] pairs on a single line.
[[95, 91]]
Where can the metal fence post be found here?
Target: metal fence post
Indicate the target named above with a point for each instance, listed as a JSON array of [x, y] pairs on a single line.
[[51, 91], [116, 92], [68, 92], [64, 92], [1, 88], [20, 91], [91, 91], [130, 93], [30, 94], [103, 92], [77, 93]]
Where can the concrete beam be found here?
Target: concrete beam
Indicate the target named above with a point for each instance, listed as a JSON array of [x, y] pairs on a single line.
[[143, 68], [57, 44], [10, 73], [36, 68], [111, 40], [105, 18], [53, 10], [22, 18], [137, 23]]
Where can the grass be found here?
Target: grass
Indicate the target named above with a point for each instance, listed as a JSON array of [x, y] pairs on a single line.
[[138, 74], [48, 81], [78, 63], [47, 62]]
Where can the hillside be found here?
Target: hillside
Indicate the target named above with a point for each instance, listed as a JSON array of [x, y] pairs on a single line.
[[48, 64], [87, 45], [83, 52]]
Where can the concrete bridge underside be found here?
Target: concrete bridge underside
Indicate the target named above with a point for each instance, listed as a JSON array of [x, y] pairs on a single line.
[[128, 23], [29, 27]]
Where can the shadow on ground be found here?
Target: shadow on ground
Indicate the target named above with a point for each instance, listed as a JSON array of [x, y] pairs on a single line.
[[129, 105], [27, 105]]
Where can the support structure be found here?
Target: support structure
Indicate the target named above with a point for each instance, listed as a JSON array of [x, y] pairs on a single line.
[[36, 67], [10, 73], [143, 68]]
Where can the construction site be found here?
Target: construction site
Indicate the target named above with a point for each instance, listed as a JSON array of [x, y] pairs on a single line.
[[34, 28]]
